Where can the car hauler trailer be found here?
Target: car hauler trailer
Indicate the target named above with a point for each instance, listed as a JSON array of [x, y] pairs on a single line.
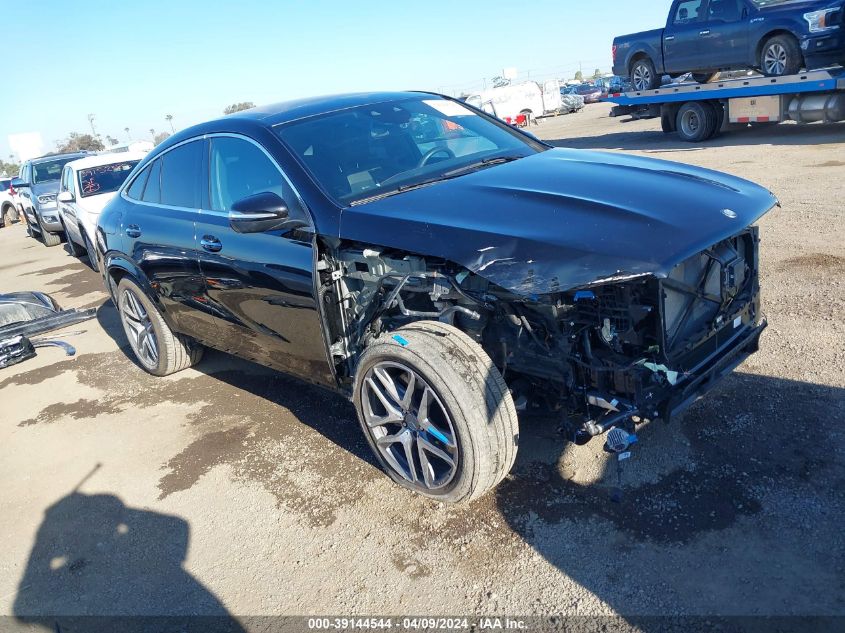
[[698, 112]]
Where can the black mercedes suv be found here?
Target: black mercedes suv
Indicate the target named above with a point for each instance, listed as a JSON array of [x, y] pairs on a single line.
[[441, 269]]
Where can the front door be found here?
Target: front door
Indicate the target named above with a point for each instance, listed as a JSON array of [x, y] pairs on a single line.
[[683, 42], [260, 286]]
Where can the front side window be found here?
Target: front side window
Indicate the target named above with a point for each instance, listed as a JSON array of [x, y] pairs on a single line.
[[688, 12], [49, 171], [104, 178], [385, 148], [181, 176], [239, 168]]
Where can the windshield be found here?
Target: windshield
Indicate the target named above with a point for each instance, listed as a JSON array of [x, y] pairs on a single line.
[[104, 178], [47, 172], [386, 148]]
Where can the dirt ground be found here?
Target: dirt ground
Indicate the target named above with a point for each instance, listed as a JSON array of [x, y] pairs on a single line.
[[232, 489]]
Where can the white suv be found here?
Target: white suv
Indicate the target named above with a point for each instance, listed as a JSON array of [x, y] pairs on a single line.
[[86, 185], [8, 202]]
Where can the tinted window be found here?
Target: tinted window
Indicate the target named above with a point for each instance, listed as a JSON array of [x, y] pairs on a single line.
[[181, 170], [725, 10], [104, 178], [688, 11], [136, 189], [152, 192]]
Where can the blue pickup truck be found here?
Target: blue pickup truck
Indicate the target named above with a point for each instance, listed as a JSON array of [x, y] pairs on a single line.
[[703, 37]]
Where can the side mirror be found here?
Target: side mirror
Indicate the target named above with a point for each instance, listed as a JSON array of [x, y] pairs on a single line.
[[17, 183], [259, 213], [65, 196]]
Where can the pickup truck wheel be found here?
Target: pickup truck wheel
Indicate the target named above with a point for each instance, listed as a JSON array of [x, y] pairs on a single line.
[[49, 239], [780, 56], [643, 75], [436, 412], [697, 121], [705, 77], [159, 350]]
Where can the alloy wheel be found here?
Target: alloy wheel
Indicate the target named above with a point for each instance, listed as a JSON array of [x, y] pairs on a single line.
[[139, 328], [409, 425], [642, 77], [774, 60]]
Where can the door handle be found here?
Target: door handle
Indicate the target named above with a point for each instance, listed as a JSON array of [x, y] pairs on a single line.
[[705, 32], [669, 38], [211, 243], [133, 230]]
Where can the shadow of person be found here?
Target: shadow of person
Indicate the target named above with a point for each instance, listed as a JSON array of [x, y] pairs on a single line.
[[728, 512], [99, 565]]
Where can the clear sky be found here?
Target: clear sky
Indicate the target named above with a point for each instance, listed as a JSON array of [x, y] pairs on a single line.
[[132, 62]]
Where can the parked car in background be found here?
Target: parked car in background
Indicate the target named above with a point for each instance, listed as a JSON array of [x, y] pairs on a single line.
[[436, 279], [86, 185], [38, 186], [590, 93], [528, 98], [776, 37], [8, 202]]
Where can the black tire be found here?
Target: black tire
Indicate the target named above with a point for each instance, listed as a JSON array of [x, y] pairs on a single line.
[[174, 352], [89, 251], [696, 121], [470, 394], [643, 76], [705, 77], [667, 120], [9, 212], [719, 109], [781, 55], [49, 239], [75, 249]]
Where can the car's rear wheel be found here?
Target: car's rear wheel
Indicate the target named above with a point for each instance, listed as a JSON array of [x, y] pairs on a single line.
[[705, 77], [697, 121], [436, 412], [159, 350], [781, 55], [643, 75]]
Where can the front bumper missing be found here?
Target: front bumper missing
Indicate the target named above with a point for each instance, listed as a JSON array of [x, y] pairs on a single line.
[[712, 369]]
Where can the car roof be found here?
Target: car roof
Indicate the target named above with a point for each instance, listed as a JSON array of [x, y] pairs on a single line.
[[287, 111], [105, 159], [52, 157]]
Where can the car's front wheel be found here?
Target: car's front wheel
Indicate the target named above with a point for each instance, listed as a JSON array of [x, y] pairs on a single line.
[[159, 350], [89, 249], [781, 55], [436, 412]]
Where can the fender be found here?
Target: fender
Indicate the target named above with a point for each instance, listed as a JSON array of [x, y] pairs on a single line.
[[115, 262]]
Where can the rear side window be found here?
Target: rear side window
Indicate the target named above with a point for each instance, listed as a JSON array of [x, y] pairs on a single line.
[[136, 189], [152, 192], [181, 176], [688, 12]]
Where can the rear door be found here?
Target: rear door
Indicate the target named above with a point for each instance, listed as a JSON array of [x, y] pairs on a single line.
[[260, 286], [683, 42], [726, 34], [159, 229]]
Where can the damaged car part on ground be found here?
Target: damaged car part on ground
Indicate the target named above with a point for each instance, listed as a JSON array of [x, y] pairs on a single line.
[[25, 314], [441, 269]]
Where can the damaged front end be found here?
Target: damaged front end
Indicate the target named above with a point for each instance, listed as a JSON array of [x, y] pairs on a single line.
[[610, 354]]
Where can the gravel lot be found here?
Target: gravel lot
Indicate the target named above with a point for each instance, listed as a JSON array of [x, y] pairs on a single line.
[[233, 489]]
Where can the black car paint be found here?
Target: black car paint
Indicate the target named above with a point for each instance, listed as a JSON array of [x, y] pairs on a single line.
[[536, 225], [710, 45]]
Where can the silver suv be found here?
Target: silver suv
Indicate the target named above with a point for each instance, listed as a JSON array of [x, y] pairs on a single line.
[[38, 186]]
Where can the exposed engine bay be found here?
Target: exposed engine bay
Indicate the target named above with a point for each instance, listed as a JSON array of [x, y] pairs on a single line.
[[609, 354]]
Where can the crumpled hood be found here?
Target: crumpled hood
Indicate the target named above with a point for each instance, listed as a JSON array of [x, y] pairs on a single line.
[[797, 5], [564, 219]]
